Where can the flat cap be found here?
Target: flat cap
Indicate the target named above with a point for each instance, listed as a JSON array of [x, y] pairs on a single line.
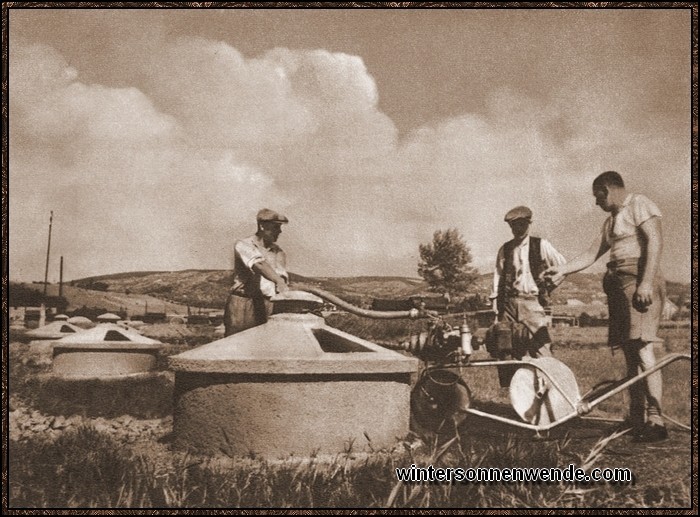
[[519, 212], [267, 215]]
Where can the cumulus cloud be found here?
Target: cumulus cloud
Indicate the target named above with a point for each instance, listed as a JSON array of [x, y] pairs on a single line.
[[167, 172]]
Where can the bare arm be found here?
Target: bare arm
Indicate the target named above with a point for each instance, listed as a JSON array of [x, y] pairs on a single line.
[[268, 272], [651, 229], [597, 249], [498, 271]]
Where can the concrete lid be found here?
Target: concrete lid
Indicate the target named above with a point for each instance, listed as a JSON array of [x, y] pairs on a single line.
[[60, 317], [79, 319], [133, 324], [295, 301], [292, 344], [55, 330], [293, 295], [108, 316], [107, 333]]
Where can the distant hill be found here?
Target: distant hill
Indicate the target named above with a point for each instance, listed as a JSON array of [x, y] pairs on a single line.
[[134, 304], [209, 288]]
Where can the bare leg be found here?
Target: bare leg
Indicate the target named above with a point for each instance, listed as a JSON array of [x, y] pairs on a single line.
[[636, 391], [652, 385]]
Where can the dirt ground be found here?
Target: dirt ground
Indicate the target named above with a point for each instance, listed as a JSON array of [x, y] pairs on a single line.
[[661, 471]]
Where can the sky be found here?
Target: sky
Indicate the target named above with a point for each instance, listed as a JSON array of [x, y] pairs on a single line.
[[155, 135]]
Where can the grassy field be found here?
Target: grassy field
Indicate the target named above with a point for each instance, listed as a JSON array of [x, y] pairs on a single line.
[[123, 460]]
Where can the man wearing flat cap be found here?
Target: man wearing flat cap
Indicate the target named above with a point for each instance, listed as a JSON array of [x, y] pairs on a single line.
[[259, 272], [519, 289]]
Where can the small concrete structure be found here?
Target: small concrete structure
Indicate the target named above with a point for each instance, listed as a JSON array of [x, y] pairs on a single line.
[[105, 350], [292, 386], [108, 317], [81, 321], [54, 330], [43, 339], [133, 326]]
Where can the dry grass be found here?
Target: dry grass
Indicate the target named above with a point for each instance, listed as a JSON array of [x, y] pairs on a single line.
[[87, 468]]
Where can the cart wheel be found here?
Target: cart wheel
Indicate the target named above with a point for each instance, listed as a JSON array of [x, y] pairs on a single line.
[[439, 400], [536, 399]]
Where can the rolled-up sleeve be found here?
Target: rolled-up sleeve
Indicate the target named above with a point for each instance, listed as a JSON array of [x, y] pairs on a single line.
[[643, 209], [497, 272], [249, 253], [550, 255]]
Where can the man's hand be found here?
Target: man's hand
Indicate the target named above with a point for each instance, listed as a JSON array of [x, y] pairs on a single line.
[[282, 287], [643, 296], [555, 274]]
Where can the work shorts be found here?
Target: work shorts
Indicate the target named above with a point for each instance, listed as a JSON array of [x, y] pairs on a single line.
[[626, 321], [526, 310]]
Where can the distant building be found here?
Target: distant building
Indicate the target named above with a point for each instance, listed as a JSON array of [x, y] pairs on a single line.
[[433, 302], [670, 310], [154, 317], [564, 320], [17, 316]]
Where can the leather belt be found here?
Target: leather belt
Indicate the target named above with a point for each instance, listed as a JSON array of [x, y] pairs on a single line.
[[616, 264]]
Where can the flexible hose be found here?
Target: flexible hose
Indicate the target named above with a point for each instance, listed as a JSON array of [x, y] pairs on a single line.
[[386, 315]]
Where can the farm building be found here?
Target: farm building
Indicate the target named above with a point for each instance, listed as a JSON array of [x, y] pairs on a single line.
[[670, 310]]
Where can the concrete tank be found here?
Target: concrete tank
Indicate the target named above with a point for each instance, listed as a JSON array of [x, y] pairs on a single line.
[[106, 350], [293, 386], [54, 330]]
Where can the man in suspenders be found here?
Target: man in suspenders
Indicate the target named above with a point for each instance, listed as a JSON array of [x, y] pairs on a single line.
[[520, 292]]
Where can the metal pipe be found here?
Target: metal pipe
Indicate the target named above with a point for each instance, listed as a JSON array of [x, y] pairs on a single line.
[[583, 406], [530, 364], [665, 361], [524, 425], [413, 313]]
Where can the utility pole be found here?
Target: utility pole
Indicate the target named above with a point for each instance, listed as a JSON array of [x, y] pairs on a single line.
[[60, 281], [48, 251]]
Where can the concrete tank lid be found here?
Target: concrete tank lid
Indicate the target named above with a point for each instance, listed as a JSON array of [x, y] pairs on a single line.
[[290, 344], [296, 302], [108, 316], [55, 330], [79, 320], [107, 333]]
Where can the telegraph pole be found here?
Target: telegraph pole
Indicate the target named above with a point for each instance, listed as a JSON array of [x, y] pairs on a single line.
[[48, 251], [60, 280]]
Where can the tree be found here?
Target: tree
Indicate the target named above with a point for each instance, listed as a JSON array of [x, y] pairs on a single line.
[[445, 263]]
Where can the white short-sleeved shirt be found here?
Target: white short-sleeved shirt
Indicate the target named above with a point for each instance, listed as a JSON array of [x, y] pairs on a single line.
[[251, 251], [524, 282], [621, 231]]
